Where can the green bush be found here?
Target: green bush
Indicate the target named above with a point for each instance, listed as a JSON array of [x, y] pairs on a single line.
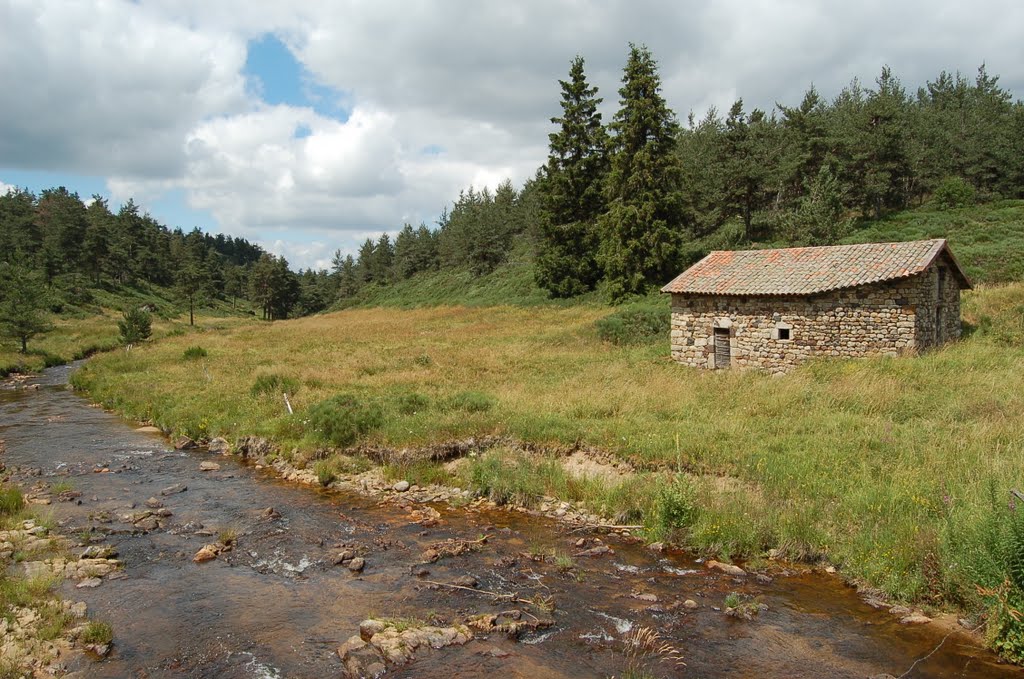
[[194, 353], [471, 402], [675, 508], [341, 420], [638, 323], [135, 326], [11, 501], [953, 193], [273, 383]]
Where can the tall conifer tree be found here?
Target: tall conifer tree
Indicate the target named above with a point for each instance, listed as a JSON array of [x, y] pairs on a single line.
[[572, 191], [642, 231]]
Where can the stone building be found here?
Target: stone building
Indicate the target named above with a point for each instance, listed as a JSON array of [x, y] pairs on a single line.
[[772, 309]]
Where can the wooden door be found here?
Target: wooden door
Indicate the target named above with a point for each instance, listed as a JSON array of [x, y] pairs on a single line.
[[722, 350]]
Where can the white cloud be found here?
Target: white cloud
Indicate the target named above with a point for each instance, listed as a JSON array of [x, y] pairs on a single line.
[[7, 188], [151, 94]]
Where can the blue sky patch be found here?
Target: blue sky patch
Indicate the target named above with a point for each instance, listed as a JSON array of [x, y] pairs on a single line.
[[277, 77]]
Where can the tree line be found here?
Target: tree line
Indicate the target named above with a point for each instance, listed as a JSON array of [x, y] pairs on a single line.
[[626, 205], [56, 250], [632, 202]]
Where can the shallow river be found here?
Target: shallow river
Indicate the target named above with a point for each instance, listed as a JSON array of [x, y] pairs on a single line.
[[276, 606]]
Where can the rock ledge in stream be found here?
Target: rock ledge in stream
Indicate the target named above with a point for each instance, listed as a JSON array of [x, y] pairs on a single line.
[[381, 643]]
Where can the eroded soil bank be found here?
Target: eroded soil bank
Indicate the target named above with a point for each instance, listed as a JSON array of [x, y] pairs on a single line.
[[538, 599]]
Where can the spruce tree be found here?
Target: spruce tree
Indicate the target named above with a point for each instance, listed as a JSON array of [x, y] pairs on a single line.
[[572, 191], [642, 231]]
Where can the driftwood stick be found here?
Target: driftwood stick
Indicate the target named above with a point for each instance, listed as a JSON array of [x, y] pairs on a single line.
[[609, 526], [288, 403], [1017, 494], [496, 595]]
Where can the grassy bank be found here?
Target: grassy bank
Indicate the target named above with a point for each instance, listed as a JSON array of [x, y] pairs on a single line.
[[31, 615], [82, 330], [898, 469]]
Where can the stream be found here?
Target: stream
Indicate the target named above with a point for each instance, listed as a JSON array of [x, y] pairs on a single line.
[[276, 605]]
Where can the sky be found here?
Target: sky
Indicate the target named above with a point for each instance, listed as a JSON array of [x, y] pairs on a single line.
[[307, 126]]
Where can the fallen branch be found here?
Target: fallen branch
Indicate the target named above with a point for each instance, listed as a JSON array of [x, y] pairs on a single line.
[[288, 403], [607, 526], [933, 651], [497, 595], [1017, 494]]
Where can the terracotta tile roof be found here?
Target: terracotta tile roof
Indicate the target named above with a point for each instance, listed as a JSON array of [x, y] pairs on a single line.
[[807, 271]]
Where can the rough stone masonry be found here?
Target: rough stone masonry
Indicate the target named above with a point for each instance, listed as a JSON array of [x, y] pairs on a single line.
[[733, 310]]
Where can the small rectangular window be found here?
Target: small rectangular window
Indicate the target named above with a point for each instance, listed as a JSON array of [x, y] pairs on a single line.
[[783, 333]]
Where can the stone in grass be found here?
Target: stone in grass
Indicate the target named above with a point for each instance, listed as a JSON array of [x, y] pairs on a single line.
[[401, 486]]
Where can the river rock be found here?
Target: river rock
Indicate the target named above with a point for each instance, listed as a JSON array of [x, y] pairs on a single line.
[[89, 583], [915, 618], [343, 557], [149, 429], [98, 552], [658, 547], [102, 650], [420, 571], [270, 513], [727, 568], [354, 643], [147, 524], [465, 581], [207, 553], [600, 550], [184, 443], [172, 490], [357, 564], [154, 503], [209, 467], [218, 445], [367, 628], [691, 605], [401, 486]]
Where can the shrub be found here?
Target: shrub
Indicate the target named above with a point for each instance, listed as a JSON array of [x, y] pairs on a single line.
[[11, 501], [954, 192], [135, 326], [471, 402], [342, 419], [674, 508], [273, 383], [194, 353], [637, 323]]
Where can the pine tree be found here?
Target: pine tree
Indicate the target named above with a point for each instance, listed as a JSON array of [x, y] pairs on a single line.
[[642, 231], [23, 301], [572, 197]]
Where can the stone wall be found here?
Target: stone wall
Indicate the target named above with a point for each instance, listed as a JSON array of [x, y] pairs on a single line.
[[880, 319]]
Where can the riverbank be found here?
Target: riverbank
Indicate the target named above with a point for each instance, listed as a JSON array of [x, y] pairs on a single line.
[[40, 633], [894, 470]]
